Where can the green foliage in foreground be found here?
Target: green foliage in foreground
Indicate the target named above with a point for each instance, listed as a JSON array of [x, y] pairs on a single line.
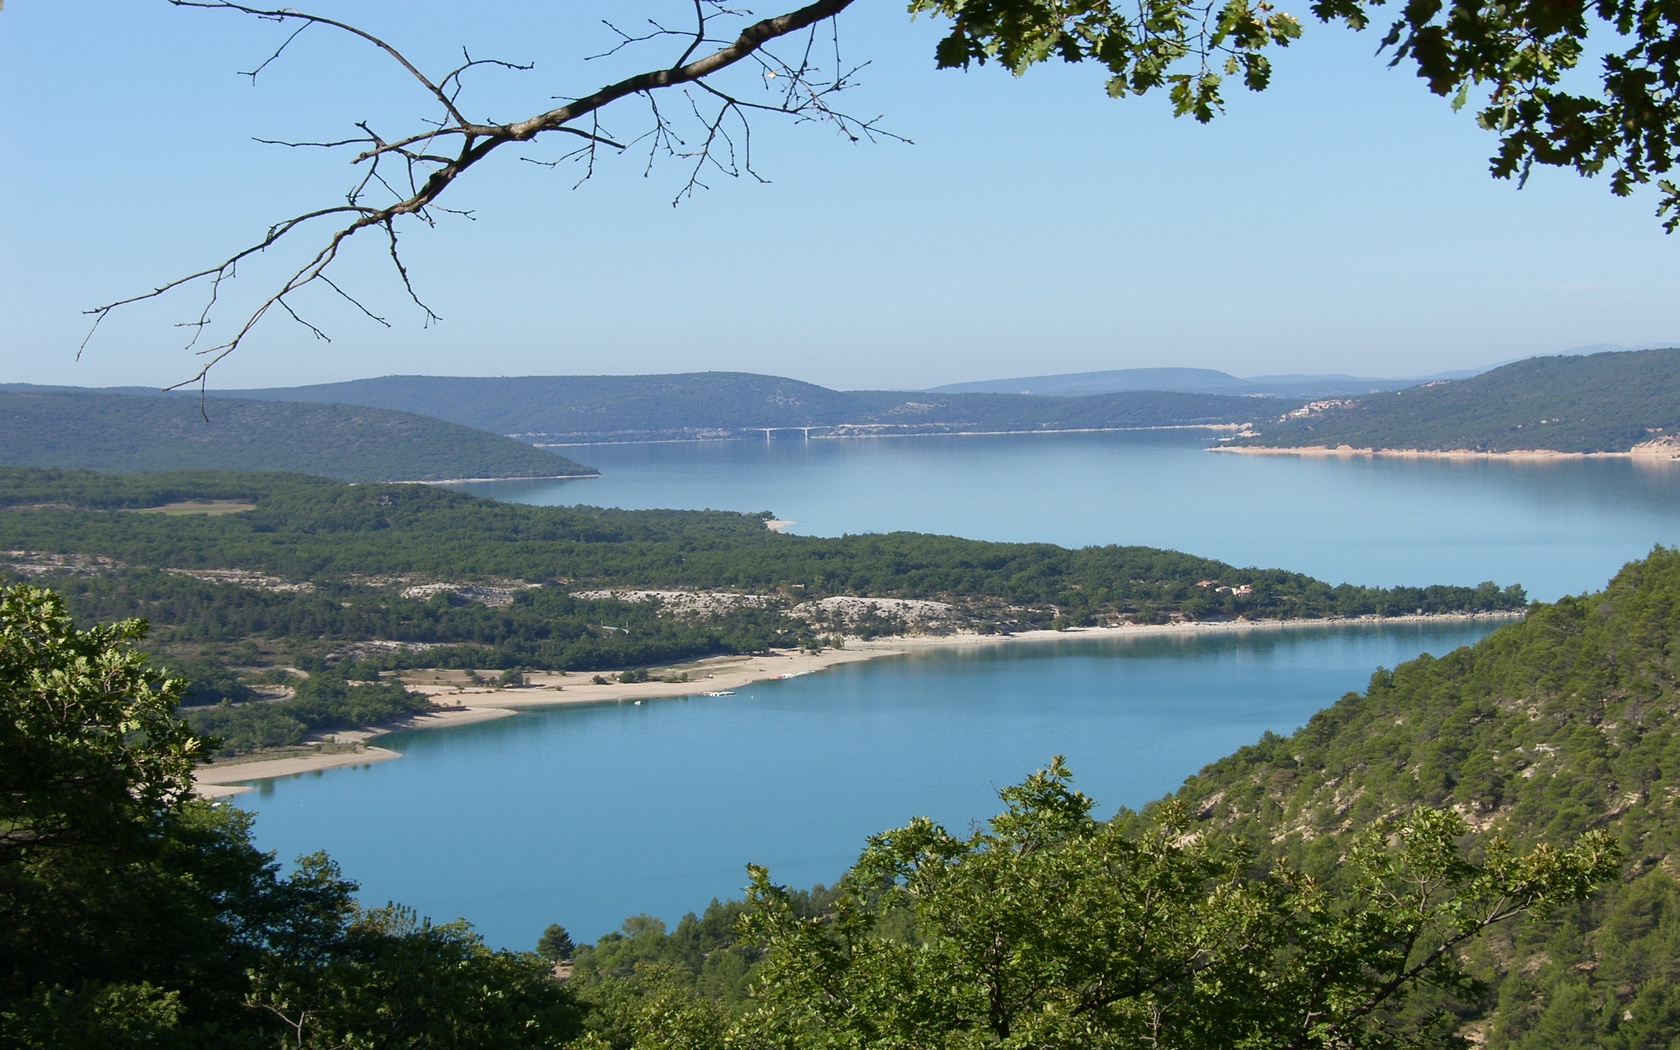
[[1600, 403], [1564, 724], [1049, 928], [1566, 721], [126, 433], [91, 748], [135, 916], [1518, 64], [705, 955]]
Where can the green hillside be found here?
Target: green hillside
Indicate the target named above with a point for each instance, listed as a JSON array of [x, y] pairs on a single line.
[[578, 408], [127, 433], [1600, 403], [564, 409], [1564, 722], [1551, 728]]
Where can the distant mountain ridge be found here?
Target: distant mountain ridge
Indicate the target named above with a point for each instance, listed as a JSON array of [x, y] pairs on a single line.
[[1605, 402], [701, 405], [527, 406], [126, 433], [1191, 381], [1600, 403]]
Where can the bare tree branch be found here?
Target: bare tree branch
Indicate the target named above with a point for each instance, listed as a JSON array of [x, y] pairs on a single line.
[[287, 14], [428, 161]]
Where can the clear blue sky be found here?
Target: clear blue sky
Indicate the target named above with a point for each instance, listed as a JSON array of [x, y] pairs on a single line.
[[1341, 221]]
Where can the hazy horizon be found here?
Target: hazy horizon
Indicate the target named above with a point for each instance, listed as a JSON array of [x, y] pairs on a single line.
[[1341, 222], [1572, 351]]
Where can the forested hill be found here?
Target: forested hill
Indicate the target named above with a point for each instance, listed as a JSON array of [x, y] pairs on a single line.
[[580, 407], [564, 409], [312, 569], [125, 432], [1606, 402], [1190, 381], [1563, 722]]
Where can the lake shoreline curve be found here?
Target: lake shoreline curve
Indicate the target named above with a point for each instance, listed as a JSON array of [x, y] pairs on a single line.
[[1646, 450], [717, 675], [480, 481]]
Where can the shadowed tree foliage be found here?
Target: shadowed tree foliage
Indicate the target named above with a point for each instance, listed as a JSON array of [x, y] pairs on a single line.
[[137, 916], [92, 748]]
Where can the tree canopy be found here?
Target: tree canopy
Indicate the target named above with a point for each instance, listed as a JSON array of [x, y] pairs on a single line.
[[1049, 928], [92, 747], [138, 916], [1514, 61]]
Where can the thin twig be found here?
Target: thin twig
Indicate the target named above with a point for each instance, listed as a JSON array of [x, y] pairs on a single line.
[[434, 157]]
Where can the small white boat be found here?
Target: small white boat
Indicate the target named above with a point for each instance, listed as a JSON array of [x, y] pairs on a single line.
[[722, 692]]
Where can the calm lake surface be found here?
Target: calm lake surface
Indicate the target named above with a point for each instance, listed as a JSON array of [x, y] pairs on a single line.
[[586, 815], [1557, 527]]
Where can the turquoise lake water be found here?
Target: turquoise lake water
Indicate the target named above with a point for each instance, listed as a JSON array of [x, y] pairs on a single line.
[[587, 815]]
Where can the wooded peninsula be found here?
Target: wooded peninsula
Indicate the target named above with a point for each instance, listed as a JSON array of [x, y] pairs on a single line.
[[254, 573]]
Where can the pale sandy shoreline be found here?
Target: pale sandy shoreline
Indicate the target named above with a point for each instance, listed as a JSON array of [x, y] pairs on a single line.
[[853, 436], [1637, 453], [477, 481], [720, 674]]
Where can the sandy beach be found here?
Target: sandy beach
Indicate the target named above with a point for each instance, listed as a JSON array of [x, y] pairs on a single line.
[[478, 481], [461, 704], [1650, 450]]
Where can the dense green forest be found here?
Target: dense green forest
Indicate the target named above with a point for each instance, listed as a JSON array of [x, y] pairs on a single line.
[[127, 432], [307, 529], [314, 569], [1599, 403], [735, 404], [1563, 722], [138, 917]]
